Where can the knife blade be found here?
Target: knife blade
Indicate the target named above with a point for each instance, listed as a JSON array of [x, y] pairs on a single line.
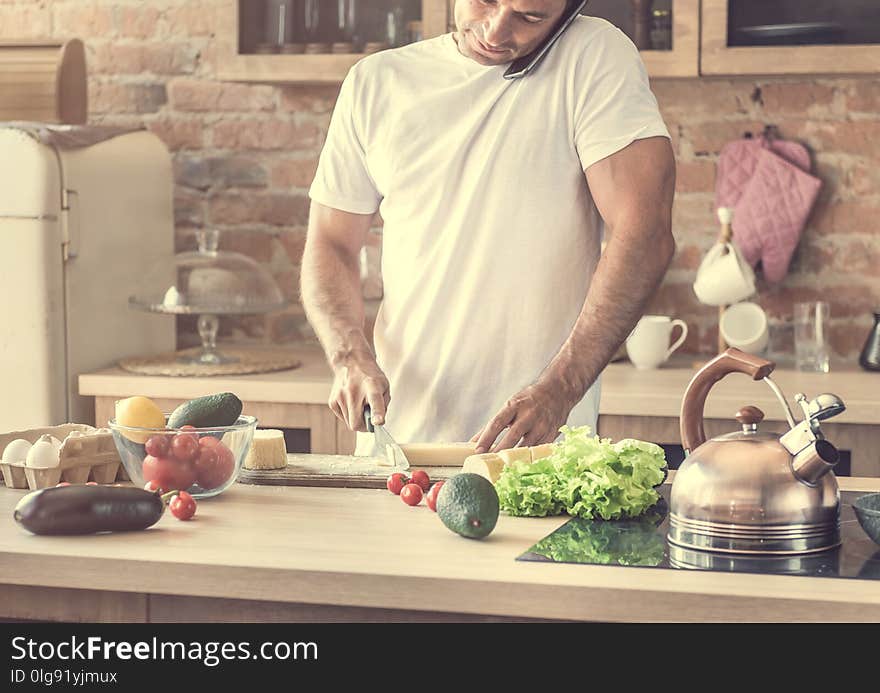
[[383, 443]]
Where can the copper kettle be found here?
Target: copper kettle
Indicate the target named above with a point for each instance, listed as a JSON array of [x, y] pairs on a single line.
[[755, 492]]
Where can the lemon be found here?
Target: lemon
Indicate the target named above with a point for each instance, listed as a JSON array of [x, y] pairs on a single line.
[[140, 412]]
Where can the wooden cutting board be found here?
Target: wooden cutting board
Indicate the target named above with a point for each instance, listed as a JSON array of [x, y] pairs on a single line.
[[340, 471]]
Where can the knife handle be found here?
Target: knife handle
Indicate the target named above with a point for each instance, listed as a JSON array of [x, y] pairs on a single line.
[[368, 419]]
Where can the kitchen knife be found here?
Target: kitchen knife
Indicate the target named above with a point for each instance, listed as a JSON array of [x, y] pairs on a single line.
[[383, 443]]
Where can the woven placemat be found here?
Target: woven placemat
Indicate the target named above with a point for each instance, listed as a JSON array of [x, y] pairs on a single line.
[[249, 361]]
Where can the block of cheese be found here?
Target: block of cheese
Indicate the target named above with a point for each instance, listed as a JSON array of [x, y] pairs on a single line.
[[539, 452], [267, 451], [437, 454], [488, 465], [515, 455]]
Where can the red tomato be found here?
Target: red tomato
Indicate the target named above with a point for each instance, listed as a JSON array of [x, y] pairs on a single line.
[[185, 447], [411, 494], [396, 482], [421, 478], [183, 506], [214, 465], [209, 441], [152, 487], [63, 483], [168, 473], [431, 498], [157, 446], [91, 483]]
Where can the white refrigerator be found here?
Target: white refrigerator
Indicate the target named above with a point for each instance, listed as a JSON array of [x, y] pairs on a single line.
[[78, 226]]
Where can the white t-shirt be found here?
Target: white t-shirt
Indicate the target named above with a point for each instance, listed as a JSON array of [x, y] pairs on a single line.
[[491, 236]]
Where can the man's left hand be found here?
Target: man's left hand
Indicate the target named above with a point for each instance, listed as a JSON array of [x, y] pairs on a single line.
[[532, 416]]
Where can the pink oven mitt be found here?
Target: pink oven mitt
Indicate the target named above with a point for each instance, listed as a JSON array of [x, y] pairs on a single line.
[[738, 159], [771, 212]]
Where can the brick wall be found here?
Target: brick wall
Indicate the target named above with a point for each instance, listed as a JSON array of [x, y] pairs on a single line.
[[244, 156]]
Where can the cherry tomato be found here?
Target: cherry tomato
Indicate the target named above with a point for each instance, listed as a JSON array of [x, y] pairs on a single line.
[[421, 478], [157, 446], [152, 487], [168, 473], [185, 447], [214, 465], [183, 506], [431, 498], [396, 482], [411, 494], [62, 483], [91, 483], [209, 441]]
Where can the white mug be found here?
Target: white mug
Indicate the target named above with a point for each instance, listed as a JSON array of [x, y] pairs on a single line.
[[648, 344], [724, 277], [744, 326]]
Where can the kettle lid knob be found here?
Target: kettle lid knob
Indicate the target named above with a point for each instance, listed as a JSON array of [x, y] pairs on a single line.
[[749, 416]]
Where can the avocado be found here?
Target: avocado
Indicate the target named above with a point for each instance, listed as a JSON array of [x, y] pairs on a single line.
[[222, 409], [468, 505]]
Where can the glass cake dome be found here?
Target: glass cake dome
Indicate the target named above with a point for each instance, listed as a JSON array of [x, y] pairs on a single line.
[[208, 282]]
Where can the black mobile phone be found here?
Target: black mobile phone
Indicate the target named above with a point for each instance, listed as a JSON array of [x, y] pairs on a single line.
[[522, 66]]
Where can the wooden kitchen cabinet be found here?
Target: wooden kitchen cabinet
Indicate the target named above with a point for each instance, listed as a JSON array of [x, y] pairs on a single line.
[[736, 37], [244, 27]]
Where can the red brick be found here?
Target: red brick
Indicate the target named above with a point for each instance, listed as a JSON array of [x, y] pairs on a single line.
[[201, 95], [138, 21], [293, 173], [83, 19], [863, 96], [864, 178], [178, 134], [778, 301], [687, 257], [301, 99], [849, 299], [193, 19], [695, 176], [860, 137], [847, 338], [294, 243], [189, 210], [113, 97], [857, 216], [254, 244], [265, 134], [693, 99], [694, 214], [860, 257], [25, 22], [134, 59], [710, 137], [796, 98], [278, 210]]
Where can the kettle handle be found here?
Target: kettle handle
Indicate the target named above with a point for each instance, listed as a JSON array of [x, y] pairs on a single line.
[[730, 361]]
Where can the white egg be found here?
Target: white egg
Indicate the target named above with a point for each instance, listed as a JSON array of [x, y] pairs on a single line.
[[16, 451], [45, 453]]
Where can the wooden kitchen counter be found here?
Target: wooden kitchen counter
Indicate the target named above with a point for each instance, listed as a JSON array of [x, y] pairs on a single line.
[[634, 403], [314, 554]]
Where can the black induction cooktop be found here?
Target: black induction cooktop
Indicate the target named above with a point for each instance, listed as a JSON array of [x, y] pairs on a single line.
[[642, 542]]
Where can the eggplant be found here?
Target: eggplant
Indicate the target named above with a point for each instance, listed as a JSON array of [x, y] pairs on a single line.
[[83, 509]]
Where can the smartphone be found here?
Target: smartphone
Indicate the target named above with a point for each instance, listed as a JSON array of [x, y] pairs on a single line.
[[522, 66]]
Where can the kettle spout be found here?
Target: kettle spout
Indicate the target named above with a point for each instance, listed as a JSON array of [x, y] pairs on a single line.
[[814, 461]]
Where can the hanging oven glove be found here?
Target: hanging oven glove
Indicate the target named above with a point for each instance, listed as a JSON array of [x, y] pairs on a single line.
[[738, 159], [771, 212]]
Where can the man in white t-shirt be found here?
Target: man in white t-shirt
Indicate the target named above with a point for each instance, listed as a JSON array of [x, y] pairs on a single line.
[[498, 314]]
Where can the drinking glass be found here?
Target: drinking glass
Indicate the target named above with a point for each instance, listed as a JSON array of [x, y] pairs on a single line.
[[811, 336]]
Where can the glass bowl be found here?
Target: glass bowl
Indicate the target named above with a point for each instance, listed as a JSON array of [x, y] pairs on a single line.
[[867, 510], [202, 461]]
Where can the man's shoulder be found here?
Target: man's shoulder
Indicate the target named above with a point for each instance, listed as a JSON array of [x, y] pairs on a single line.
[[594, 37]]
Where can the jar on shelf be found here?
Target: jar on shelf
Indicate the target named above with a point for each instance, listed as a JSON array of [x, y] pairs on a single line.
[[661, 30], [280, 24], [318, 22]]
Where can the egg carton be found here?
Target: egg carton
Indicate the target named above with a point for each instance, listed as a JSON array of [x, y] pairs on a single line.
[[87, 454]]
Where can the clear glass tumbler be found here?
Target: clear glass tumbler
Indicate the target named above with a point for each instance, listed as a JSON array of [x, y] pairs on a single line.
[[811, 336]]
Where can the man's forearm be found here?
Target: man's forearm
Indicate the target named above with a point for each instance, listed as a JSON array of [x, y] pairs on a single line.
[[332, 299], [627, 275]]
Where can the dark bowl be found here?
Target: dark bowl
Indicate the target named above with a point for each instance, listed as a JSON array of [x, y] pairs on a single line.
[[867, 510]]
